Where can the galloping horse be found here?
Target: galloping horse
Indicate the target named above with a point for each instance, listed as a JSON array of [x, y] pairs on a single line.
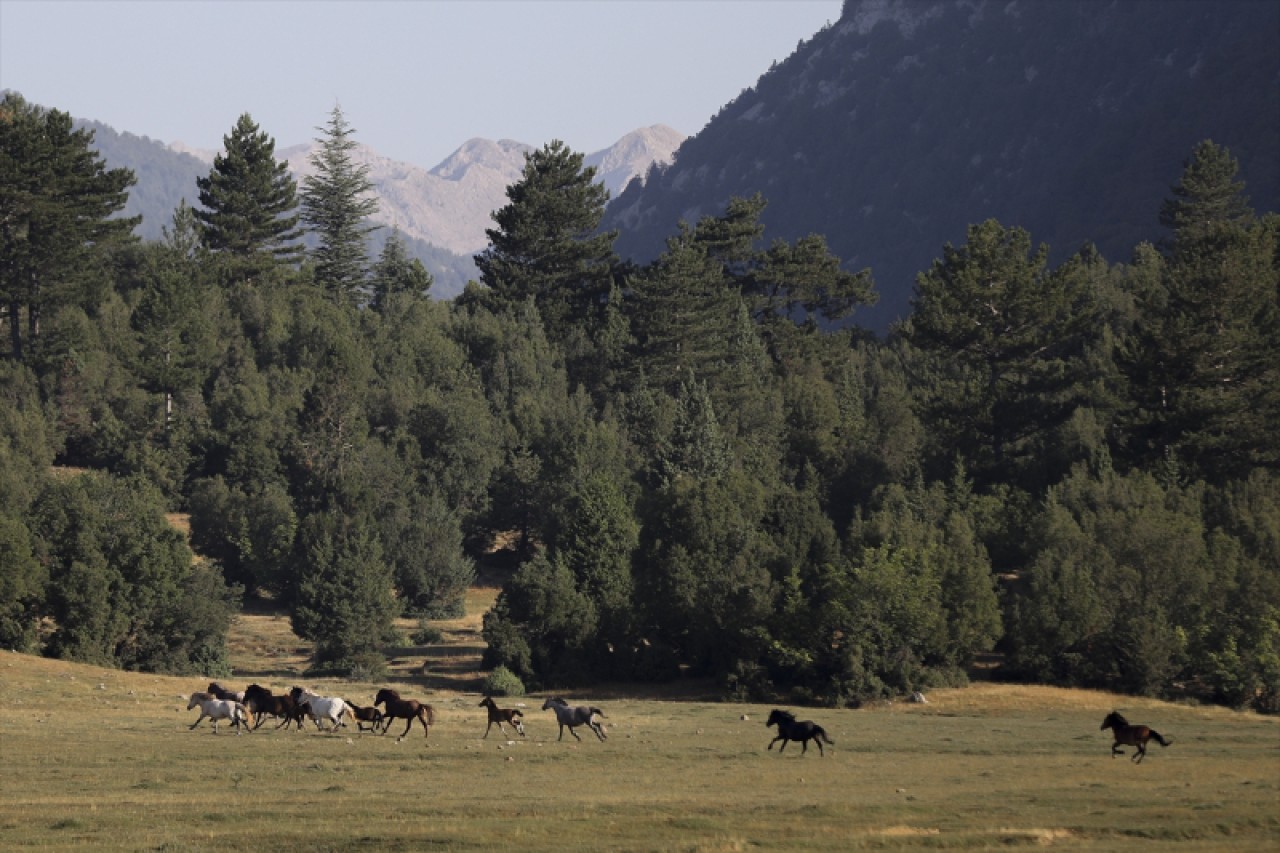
[[1128, 735], [219, 709], [319, 708], [220, 692], [410, 709], [574, 716], [502, 715], [789, 729], [261, 702]]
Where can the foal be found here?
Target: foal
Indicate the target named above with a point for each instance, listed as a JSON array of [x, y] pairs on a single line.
[[502, 715], [1128, 735]]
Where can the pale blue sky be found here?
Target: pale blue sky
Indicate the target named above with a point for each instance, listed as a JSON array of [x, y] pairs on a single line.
[[416, 78]]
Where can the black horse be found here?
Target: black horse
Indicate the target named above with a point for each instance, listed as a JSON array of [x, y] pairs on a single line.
[[789, 729], [1128, 735]]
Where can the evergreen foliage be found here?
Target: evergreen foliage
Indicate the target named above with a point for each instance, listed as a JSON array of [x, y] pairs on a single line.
[[57, 201], [678, 468], [249, 198], [336, 206]]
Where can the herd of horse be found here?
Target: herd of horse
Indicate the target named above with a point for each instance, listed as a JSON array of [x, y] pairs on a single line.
[[248, 709]]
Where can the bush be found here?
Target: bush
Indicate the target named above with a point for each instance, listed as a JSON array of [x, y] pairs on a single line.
[[426, 635], [503, 682]]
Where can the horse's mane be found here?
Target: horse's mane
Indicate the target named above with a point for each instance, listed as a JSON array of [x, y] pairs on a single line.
[[790, 717], [1118, 717]]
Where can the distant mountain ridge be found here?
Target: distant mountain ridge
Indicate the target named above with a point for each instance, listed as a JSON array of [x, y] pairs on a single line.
[[905, 121], [442, 213]]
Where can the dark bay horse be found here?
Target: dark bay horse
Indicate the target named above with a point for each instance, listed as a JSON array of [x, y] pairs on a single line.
[[262, 702], [410, 709], [1127, 735], [572, 716], [502, 715], [790, 729]]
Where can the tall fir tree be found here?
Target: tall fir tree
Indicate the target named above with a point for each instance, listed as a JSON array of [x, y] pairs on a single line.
[[337, 202], [250, 199]]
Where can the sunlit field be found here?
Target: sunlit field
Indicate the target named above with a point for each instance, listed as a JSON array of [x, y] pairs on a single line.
[[100, 759]]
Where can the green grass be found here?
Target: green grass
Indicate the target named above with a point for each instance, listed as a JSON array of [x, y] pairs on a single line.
[[102, 760]]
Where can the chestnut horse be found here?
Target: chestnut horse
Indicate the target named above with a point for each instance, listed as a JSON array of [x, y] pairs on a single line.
[[1127, 735], [502, 715], [410, 709]]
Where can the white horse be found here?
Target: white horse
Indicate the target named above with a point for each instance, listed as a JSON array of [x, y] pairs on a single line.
[[319, 708], [220, 709], [570, 716]]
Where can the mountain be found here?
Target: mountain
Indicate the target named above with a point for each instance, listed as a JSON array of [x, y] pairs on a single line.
[[442, 213], [894, 128]]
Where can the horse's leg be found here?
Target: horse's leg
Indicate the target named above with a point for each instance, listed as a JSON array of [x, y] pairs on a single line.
[[197, 722], [486, 728], [1140, 754], [818, 741], [772, 742], [422, 718], [1116, 750], [804, 745], [407, 726]]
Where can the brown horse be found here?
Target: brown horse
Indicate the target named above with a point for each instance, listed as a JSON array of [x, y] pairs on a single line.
[[410, 709], [262, 702], [1128, 735], [502, 715]]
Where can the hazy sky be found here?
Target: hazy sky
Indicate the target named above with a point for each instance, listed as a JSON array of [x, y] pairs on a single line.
[[415, 78]]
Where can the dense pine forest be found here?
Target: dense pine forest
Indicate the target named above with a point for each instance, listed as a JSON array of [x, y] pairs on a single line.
[[698, 467]]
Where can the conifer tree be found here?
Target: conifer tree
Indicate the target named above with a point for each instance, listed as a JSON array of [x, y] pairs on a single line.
[[58, 202], [545, 244], [250, 199], [395, 272], [337, 201]]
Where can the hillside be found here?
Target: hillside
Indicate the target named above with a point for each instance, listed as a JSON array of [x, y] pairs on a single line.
[[905, 121]]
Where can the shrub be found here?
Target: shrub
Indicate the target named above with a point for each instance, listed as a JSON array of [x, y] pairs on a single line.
[[503, 682], [426, 635]]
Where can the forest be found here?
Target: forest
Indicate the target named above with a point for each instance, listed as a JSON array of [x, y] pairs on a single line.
[[697, 467]]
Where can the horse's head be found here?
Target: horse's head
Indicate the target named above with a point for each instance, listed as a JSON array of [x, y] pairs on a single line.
[[487, 702], [384, 694], [779, 717], [196, 699], [554, 701], [1114, 721]]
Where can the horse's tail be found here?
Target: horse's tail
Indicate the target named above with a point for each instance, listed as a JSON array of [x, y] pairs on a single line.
[[516, 712], [1158, 738], [597, 711], [350, 712], [822, 733], [248, 715], [431, 714]]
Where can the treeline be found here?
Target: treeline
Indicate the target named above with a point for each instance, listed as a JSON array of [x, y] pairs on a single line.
[[699, 466]]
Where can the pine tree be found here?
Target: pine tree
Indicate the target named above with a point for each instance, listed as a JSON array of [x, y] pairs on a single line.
[[57, 207], [336, 203], [249, 198], [546, 243]]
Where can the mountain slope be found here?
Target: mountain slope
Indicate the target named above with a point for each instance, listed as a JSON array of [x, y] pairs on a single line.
[[892, 130]]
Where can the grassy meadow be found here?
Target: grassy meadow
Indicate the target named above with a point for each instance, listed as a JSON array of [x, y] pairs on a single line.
[[103, 760]]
